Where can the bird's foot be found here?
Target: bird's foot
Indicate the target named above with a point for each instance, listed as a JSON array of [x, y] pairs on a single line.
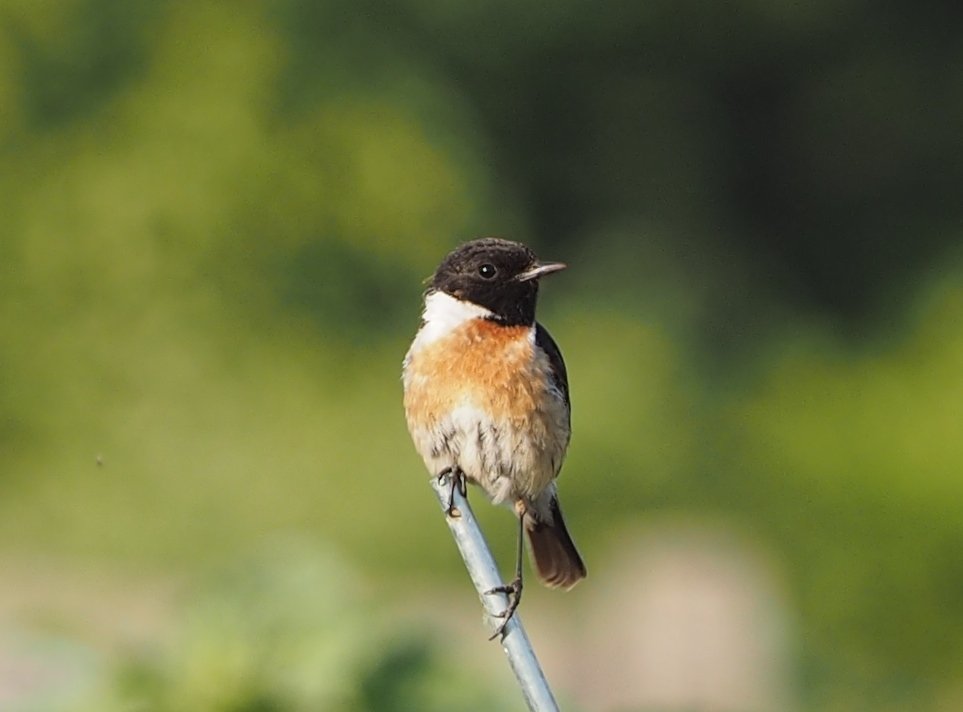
[[458, 481], [514, 591]]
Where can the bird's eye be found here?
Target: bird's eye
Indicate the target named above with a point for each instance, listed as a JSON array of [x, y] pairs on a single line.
[[487, 271]]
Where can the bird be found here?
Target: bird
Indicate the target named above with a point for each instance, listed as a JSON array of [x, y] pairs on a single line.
[[486, 399]]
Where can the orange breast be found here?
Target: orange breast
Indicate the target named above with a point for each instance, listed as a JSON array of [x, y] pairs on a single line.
[[493, 366]]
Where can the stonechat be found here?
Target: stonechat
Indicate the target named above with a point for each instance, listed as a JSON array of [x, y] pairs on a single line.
[[487, 399]]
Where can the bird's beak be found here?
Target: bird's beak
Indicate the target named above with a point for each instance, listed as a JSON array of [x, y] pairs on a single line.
[[540, 270]]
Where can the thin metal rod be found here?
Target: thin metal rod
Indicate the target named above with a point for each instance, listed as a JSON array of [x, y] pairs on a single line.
[[485, 575]]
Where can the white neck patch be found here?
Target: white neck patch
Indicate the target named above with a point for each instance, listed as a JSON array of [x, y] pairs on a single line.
[[443, 314]]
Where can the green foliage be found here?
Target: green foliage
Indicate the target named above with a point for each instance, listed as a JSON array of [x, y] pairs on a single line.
[[289, 630], [853, 456]]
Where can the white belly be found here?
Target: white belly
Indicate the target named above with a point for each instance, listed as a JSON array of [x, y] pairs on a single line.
[[507, 461]]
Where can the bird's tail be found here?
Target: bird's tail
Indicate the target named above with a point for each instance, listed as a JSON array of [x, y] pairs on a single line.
[[554, 556]]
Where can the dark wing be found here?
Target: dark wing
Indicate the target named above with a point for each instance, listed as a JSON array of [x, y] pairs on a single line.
[[546, 343]]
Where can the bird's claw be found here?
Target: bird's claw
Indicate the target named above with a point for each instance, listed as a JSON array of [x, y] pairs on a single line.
[[458, 481], [514, 592]]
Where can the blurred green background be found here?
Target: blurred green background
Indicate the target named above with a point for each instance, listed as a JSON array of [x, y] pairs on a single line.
[[215, 220]]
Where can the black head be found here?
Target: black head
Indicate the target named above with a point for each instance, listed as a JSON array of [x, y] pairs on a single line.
[[499, 275]]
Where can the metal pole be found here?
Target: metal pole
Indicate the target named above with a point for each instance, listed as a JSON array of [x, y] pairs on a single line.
[[485, 575]]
